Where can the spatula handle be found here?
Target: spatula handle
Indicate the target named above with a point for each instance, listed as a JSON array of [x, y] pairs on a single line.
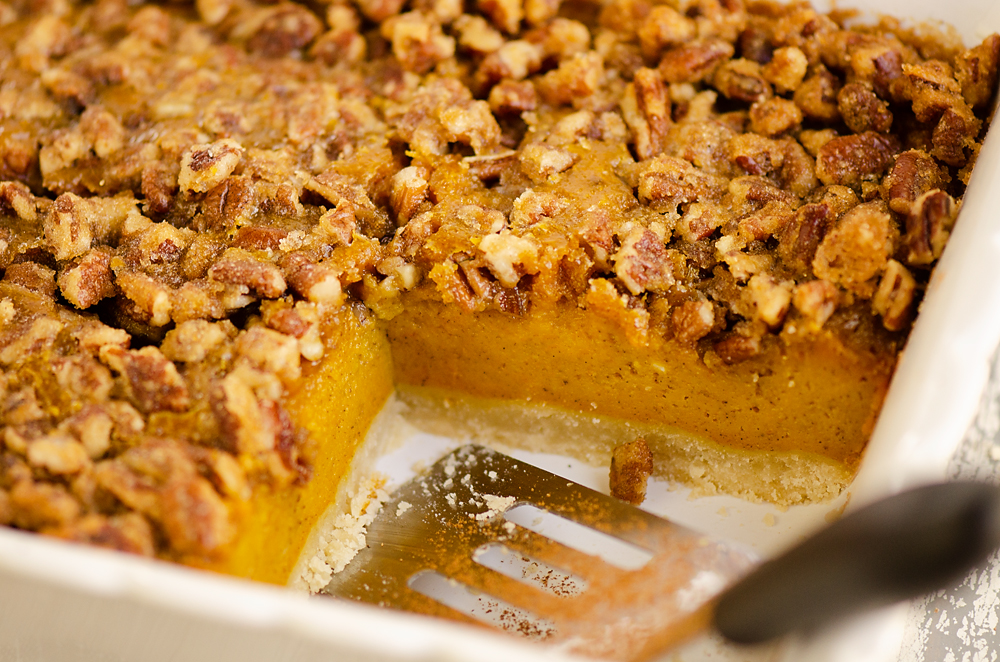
[[895, 549]]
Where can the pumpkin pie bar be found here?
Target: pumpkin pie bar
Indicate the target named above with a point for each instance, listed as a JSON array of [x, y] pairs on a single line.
[[231, 233]]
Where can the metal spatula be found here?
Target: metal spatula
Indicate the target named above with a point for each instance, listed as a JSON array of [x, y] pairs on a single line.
[[463, 541]]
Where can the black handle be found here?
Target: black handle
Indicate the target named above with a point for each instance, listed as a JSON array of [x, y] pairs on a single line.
[[895, 549]]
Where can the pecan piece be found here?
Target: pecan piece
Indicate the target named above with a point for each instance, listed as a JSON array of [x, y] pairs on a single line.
[[774, 116], [237, 267], [88, 280], [862, 110], [895, 298], [913, 174], [646, 109], [786, 69], [643, 262], [664, 28], [816, 300], [817, 96], [742, 80], [856, 250], [976, 71], [288, 27], [151, 381], [849, 160], [692, 321], [205, 166], [928, 226], [694, 61], [672, 181]]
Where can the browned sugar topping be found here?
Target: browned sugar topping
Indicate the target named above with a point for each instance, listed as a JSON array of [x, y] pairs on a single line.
[[188, 191]]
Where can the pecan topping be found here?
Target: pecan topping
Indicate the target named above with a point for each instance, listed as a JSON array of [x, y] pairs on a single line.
[[928, 225]]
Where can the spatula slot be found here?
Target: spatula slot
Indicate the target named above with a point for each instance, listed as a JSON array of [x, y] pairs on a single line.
[[484, 608], [612, 550], [532, 572]]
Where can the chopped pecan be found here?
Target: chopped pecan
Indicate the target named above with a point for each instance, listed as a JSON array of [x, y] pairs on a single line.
[[509, 257], [241, 404], [631, 467], [976, 71], [103, 131], [477, 35], [895, 298], [742, 80], [816, 300], [692, 321], [752, 193], [58, 454], [575, 79], [798, 171], [737, 348], [40, 335], [205, 166], [786, 69], [928, 226], [32, 276], [418, 41], [771, 298], [18, 198], [674, 181], [92, 426], [646, 110], [315, 281], [643, 263], [857, 249], [88, 279], [151, 299], [514, 61], [151, 381], [769, 220], [954, 137], [801, 236], [849, 160], [817, 96], [409, 193], [195, 518], [511, 97], [694, 61], [237, 267], [287, 27], [193, 340], [881, 66], [540, 161], [774, 117], [128, 532], [253, 238], [700, 221], [913, 174], [664, 28], [605, 300], [38, 505], [505, 14], [755, 154], [83, 378], [270, 351], [862, 110], [159, 184], [69, 228]]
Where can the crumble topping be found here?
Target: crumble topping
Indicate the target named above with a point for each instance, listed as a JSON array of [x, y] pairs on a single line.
[[188, 191]]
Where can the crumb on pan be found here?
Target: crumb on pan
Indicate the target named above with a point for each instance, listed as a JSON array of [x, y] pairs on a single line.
[[631, 467]]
